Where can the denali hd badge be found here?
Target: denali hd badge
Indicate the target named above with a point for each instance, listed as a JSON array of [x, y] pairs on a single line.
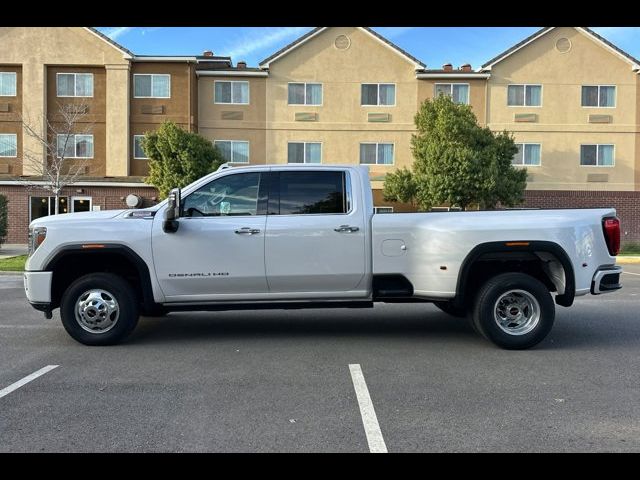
[[189, 275]]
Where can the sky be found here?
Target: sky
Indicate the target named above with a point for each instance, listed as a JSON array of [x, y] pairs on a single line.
[[434, 46]]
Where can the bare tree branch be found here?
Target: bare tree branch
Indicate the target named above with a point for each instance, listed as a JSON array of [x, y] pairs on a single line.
[[55, 166]]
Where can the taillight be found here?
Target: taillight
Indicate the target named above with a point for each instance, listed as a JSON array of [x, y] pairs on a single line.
[[611, 227]]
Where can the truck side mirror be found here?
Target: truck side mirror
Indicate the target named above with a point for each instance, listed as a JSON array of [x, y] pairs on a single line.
[[172, 213]]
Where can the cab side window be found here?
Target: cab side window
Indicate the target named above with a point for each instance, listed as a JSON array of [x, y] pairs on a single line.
[[235, 194], [308, 192]]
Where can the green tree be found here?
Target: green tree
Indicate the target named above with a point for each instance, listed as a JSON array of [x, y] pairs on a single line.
[[4, 218], [458, 162], [177, 157], [400, 186]]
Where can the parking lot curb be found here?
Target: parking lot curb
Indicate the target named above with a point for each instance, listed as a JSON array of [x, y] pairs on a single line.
[[624, 260]]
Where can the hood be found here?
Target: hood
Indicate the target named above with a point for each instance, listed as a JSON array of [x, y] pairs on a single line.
[[64, 217]]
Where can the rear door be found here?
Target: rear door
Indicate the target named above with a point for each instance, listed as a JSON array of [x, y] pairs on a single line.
[[315, 233]]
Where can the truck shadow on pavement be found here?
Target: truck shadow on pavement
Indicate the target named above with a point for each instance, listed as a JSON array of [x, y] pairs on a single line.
[[428, 325], [308, 323]]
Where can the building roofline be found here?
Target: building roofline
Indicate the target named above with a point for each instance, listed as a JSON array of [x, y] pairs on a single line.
[[635, 64], [215, 58], [453, 74], [82, 182], [127, 53], [232, 73], [395, 47], [307, 36], [618, 50], [163, 58], [296, 43]]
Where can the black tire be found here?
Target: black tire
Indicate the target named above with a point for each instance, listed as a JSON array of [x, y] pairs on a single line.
[[118, 289], [484, 314], [451, 309]]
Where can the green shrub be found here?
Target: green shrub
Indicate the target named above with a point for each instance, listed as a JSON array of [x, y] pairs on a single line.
[[630, 248], [4, 218]]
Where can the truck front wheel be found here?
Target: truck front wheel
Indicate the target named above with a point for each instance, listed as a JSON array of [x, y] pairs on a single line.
[[99, 309], [513, 310]]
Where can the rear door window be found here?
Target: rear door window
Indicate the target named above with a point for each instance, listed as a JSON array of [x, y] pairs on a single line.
[[307, 193]]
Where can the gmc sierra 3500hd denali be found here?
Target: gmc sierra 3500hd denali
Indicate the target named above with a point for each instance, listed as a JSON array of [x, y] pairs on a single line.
[[298, 236]]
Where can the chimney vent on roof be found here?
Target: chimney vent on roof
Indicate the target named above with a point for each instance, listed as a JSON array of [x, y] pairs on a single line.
[[242, 64], [447, 67], [207, 53], [466, 67]]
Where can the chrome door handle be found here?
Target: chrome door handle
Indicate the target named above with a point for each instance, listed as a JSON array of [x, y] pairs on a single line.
[[247, 231], [346, 229]]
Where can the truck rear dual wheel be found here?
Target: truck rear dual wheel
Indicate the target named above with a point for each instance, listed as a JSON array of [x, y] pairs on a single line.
[[99, 309], [513, 310]]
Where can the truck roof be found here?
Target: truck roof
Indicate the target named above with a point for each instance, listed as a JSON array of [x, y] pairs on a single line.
[[289, 166]]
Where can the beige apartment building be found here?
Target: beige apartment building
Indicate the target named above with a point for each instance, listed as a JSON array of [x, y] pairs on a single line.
[[337, 95]]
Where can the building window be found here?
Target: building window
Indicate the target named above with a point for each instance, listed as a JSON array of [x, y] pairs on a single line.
[[304, 152], [459, 92], [233, 151], [305, 94], [528, 154], [74, 84], [524, 95], [8, 84], [376, 153], [8, 145], [598, 96], [44, 206], [138, 152], [231, 92], [598, 155], [379, 94], [75, 146], [382, 209], [81, 204], [151, 85]]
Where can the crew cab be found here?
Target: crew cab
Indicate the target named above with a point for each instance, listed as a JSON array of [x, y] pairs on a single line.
[[306, 236]]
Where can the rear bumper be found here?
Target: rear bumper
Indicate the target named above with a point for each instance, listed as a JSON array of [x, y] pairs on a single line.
[[606, 279]]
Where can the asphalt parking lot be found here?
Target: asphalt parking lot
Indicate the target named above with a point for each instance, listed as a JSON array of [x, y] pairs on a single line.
[[286, 381]]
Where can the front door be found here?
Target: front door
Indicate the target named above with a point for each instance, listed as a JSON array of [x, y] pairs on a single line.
[[315, 234], [218, 251]]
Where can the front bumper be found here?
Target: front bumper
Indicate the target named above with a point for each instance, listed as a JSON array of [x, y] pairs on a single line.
[[37, 286], [606, 279]]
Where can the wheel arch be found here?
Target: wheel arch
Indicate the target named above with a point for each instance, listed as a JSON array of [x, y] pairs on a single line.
[[72, 261], [518, 251]]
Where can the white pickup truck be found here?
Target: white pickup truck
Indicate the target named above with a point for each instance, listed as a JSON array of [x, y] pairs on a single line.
[[305, 236]]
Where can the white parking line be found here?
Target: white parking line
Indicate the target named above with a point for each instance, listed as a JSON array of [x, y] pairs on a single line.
[[27, 379], [369, 419], [631, 273]]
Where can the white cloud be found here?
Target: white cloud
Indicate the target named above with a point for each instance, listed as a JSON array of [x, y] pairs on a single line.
[[261, 39], [144, 31], [114, 32]]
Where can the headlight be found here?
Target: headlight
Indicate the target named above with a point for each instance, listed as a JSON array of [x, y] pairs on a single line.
[[36, 237]]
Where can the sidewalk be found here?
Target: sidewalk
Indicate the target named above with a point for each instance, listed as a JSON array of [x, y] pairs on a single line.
[[12, 250]]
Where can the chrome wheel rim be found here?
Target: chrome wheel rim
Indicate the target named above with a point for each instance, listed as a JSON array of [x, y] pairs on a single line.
[[97, 311], [516, 312]]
